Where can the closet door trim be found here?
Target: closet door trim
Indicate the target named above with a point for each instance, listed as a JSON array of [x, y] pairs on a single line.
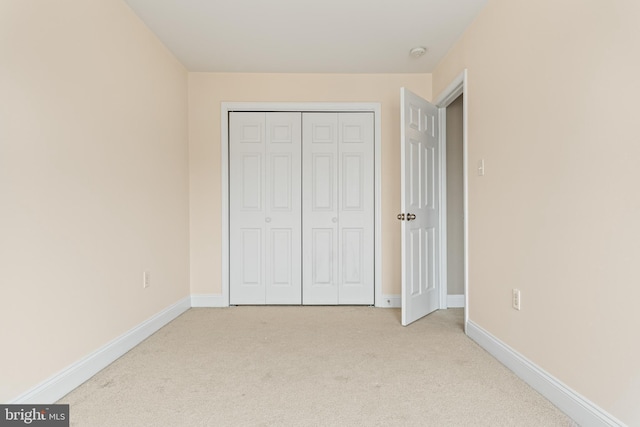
[[227, 107]]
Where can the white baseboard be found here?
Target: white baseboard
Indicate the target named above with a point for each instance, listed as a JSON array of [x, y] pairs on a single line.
[[581, 410], [390, 301], [455, 301], [60, 384], [208, 300]]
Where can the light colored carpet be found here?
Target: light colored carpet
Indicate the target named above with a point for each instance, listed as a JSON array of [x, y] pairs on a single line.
[[309, 366]]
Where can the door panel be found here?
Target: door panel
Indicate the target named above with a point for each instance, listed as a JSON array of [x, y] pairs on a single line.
[[431, 256], [251, 131], [281, 256], [252, 181], [323, 133], [415, 251], [283, 211], [251, 256], [353, 256], [323, 191], [280, 182], [247, 211], [265, 213], [283, 133], [322, 257], [420, 185], [352, 184], [356, 208], [414, 165], [429, 181], [319, 207]]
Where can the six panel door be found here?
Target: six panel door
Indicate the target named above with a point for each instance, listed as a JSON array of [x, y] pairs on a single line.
[[420, 168]]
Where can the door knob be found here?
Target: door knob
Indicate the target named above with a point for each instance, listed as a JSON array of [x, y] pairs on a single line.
[[401, 217], [267, 219], [411, 217], [334, 219]]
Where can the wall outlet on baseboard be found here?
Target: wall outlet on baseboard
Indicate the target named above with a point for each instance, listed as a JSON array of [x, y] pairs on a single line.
[[146, 279], [515, 299]]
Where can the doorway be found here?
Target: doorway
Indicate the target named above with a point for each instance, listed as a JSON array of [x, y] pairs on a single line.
[[455, 203], [456, 91], [229, 107]]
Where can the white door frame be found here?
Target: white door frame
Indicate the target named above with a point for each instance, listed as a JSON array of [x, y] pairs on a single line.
[[456, 88], [372, 107]]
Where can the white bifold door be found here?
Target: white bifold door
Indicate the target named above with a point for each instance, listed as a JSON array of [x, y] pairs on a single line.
[[265, 208], [338, 208], [301, 208]]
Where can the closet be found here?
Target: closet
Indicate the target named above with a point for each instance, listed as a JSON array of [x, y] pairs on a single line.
[[301, 208]]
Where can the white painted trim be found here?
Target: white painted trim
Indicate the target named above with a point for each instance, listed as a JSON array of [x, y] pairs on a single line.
[[453, 91], [377, 237], [457, 87], [389, 301], [300, 106], [224, 190], [72, 376], [373, 107], [580, 409], [442, 142], [209, 300], [455, 301], [465, 190]]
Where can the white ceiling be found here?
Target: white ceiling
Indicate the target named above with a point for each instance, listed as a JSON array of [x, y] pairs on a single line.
[[307, 36]]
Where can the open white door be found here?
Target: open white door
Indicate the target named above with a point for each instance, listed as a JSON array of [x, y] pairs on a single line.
[[420, 215]]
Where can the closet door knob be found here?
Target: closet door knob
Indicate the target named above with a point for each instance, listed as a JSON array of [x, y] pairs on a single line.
[[267, 219], [334, 219], [411, 217], [401, 217]]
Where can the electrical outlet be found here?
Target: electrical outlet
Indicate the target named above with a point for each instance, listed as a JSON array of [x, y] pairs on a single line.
[[515, 300], [146, 279]]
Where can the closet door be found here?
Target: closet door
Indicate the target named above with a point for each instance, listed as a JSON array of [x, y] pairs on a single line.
[[320, 208], [264, 203], [284, 209], [338, 208], [355, 208]]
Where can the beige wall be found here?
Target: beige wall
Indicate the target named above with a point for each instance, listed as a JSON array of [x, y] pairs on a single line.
[[455, 200], [93, 182], [208, 90], [553, 89]]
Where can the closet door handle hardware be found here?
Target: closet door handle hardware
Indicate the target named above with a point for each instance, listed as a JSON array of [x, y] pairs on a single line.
[[267, 219], [334, 219], [401, 217], [411, 217]]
